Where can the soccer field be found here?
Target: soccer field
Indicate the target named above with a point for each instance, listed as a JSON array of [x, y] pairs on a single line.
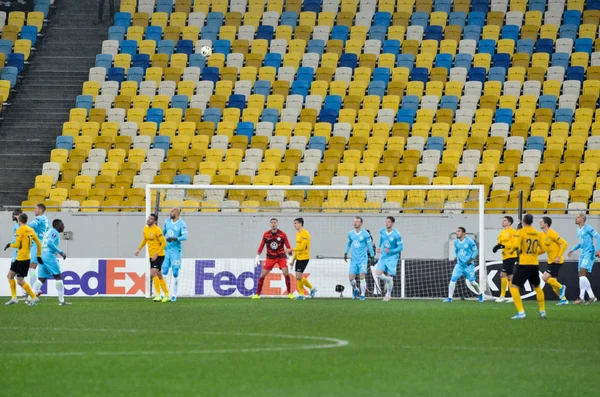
[[321, 347]]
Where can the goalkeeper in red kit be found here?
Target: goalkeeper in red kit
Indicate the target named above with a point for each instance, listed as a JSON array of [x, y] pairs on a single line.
[[276, 242]]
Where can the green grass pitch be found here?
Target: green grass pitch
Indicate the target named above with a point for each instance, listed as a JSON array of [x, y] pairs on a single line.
[[322, 347]]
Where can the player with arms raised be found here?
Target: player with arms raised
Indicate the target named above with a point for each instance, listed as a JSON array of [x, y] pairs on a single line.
[[276, 242], [390, 246], [555, 247], [175, 231], [301, 258], [25, 238], [50, 267], [156, 248], [40, 226], [530, 244], [466, 252], [585, 237], [509, 256], [359, 240]]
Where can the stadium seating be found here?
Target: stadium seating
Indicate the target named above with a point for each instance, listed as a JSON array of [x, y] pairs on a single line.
[[502, 94]]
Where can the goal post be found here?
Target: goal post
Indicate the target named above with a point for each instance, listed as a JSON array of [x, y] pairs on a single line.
[[426, 217]]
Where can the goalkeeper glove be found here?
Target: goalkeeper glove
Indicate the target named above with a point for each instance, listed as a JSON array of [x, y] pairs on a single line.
[[171, 239], [39, 260], [497, 247], [7, 246], [346, 257], [64, 256], [257, 260]]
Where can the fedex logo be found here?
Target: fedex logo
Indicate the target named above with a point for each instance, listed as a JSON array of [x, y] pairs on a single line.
[[209, 281], [110, 278]]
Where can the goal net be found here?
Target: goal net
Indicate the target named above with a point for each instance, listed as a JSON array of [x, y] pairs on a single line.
[[226, 223]]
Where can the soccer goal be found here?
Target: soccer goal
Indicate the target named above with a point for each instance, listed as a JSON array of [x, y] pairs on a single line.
[[226, 223]]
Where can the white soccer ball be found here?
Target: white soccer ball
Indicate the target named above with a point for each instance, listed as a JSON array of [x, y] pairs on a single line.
[[206, 51]]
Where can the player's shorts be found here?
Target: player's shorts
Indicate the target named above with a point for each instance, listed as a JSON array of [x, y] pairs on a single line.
[[358, 267], [553, 269], [508, 266], [586, 261], [463, 270], [301, 265], [20, 267], [525, 273], [49, 268], [271, 263], [172, 261], [157, 264], [34, 254], [387, 265]]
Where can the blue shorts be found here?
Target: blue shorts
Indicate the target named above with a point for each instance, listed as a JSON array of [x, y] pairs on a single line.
[[358, 267], [463, 270], [172, 261], [387, 265], [49, 268], [34, 253], [586, 261]]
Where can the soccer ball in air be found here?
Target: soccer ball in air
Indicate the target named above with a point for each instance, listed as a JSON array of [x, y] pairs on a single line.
[[206, 51]]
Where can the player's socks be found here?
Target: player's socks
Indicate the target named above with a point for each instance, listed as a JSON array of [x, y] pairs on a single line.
[[163, 285], [37, 286], [516, 294], [363, 287], [259, 287], [353, 283], [32, 276], [60, 291], [541, 299], [29, 291], [556, 286], [307, 284], [156, 283], [13, 288], [174, 285], [588, 287], [451, 287], [582, 287], [300, 287], [390, 285], [473, 286], [503, 287], [288, 284]]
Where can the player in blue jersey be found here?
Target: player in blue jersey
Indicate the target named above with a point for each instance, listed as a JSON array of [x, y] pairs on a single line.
[[50, 268], [585, 241], [361, 244], [390, 246], [466, 252], [40, 226], [175, 231]]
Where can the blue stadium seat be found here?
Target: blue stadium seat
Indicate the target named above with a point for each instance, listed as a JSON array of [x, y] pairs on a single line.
[[185, 47], [155, 115], [572, 17], [289, 18], [11, 74], [164, 6], [312, 6], [29, 33], [165, 47], [497, 74], [535, 143], [411, 102], [315, 46], [182, 180], [328, 116], [333, 102], [560, 59], [197, 60], [123, 19], [457, 18], [104, 61], [443, 6], [544, 45], [525, 45], [300, 88], [318, 142], [210, 33], [272, 60], [222, 47], [405, 115], [377, 88], [463, 61], [215, 19], [584, 44], [392, 47], [501, 60], [575, 73], [305, 73], [270, 115], [6, 46], [563, 115], [348, 61], [301, 180], [420, 74], [245, 128], [476, 18], [162, 142], [213, 115], [116, 74], [435, 143], [116, 33], [537, 5], [237, 101], [265, 32], [449, 102], [154, 33], [434, 33], [16, 60], [64, 142], [477, 74], [382, 75], [510, 32], [42, 6], [382, 18], [443, 61], [135, 74], [568, 32], [129, 47], [548, 102], [419, 19], [406, 61], [210, 74], [180, 102], [84, 102], [480, 6], [340, 33], [378, 33], [262, 87], [487, 46], [472, 32], [141, 61], [504, 116]]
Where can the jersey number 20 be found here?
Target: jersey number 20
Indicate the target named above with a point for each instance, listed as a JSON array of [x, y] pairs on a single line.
[[532, 246]]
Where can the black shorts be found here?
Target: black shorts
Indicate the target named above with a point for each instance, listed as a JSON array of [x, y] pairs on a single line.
[[157, 264], [526, 273], [508, 266], [553, 269], [20, 267], [301, 265]]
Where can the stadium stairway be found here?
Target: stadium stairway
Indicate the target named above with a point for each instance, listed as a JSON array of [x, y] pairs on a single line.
[[46, 94]]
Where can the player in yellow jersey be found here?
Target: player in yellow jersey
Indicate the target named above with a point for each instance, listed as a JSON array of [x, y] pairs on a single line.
[[509, 256], [555, 247], [530, 245], [153, 236], [301, 257], [25, 238]]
